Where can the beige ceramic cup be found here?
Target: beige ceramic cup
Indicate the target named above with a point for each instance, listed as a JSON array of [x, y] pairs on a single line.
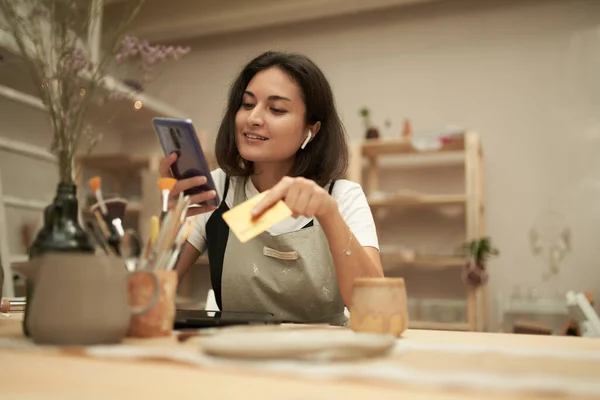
[[379, 306]]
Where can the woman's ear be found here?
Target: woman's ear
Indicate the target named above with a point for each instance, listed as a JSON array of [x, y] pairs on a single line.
[[314, 128]]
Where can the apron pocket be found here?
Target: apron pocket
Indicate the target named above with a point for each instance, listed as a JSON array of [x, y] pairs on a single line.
[[281, 255]]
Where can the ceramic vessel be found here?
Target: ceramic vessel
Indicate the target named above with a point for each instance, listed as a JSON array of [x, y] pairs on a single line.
[[157, 320], [61, 233], [379, 306], [80, 299]]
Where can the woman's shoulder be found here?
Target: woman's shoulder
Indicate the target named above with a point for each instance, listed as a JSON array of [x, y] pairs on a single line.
[[219, 178], [343, 188]]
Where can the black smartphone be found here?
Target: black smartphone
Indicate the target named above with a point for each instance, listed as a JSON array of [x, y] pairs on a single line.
[[179, 136]]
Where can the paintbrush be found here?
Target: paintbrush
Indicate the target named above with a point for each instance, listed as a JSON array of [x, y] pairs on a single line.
[[99, 238], [110, 248], [154, 231], [165, 185], [113, 238], [115, 212], [170, 228], [178, 245], [95, 185]]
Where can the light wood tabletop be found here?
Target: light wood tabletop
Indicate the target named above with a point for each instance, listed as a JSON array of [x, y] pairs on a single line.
[[31, 371]]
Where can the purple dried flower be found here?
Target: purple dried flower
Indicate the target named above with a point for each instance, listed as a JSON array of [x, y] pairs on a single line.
[[148, 55], [77, 62]]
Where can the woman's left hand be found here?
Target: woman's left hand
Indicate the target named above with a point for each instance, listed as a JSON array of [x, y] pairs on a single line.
[[303, 196]]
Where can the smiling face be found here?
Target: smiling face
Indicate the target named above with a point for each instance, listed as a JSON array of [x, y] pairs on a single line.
[[270, 123]]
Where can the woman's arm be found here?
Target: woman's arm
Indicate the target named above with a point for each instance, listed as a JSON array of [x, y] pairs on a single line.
[[305, 197], [357, 263], [188, 256]]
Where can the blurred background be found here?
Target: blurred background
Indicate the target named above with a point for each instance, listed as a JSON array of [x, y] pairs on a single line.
[[487, 123]]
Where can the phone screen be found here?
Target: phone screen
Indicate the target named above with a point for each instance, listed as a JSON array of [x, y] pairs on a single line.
[[179, 136]]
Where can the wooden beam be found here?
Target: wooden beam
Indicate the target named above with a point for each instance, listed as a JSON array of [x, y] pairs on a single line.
[[185, 20], [26, 149], [95, 31], [17, 202], [22, 98]]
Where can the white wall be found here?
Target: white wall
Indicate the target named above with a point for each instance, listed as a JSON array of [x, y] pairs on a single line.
[[525, 74]]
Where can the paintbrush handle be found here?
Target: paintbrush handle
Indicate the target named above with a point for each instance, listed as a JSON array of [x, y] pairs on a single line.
[[111, 238]]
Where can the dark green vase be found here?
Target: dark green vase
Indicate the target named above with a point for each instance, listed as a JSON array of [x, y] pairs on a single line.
[[61, 233]]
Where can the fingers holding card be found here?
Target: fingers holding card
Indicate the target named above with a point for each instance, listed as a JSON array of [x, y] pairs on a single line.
[[245, 226]]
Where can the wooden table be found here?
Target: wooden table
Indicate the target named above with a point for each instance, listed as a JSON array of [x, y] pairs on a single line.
[[48, 372]]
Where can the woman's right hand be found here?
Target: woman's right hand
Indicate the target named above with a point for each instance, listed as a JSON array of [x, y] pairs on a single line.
[[185, 184]]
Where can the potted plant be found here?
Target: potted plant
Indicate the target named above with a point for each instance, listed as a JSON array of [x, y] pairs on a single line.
[[477, 252], [371, 132]]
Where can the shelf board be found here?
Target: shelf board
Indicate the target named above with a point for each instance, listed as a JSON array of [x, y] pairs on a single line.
[[451, 158], [377, 147], [114, 161], [19, 259], [418, 200], [440, 326], [397, 260]]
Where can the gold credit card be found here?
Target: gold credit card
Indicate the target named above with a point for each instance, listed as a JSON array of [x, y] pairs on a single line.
[[244, 227]]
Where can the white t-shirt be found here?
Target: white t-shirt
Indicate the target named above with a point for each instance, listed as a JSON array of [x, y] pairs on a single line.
[[350, 197]]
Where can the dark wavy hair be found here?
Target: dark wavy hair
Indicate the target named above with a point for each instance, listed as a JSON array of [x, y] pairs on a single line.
[[326, 156]]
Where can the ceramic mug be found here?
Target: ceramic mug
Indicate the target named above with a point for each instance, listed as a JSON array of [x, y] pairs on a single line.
[[158, 320], [378, 305], [80, 299]]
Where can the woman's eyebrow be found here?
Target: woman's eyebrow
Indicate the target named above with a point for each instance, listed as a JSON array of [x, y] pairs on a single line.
[[272, 97]]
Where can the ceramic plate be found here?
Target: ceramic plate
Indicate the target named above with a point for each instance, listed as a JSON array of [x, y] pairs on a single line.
[[298, 344]]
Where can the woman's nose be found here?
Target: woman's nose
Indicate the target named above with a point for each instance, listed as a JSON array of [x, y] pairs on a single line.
[[256, 117]]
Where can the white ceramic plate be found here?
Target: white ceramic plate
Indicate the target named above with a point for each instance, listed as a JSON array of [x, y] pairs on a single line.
[[300, 344]]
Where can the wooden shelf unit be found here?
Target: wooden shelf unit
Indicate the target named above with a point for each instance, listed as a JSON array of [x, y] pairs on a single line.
[[466, 149]]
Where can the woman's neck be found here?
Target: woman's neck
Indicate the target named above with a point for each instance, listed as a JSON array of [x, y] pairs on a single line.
[[267, 175]]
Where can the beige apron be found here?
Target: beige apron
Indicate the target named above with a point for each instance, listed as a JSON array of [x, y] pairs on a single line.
[[291, 275]]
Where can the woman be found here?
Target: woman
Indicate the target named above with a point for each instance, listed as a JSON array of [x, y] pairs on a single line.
[[281, 133]]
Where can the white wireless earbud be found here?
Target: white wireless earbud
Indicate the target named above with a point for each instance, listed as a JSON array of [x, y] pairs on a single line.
[[306, 140]]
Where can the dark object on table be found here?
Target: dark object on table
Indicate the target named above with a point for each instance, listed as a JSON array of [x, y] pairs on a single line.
[[196, 319], [531, 328]]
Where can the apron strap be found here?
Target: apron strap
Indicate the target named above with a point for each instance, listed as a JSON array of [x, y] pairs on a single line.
[[217, 233], [311, 222]]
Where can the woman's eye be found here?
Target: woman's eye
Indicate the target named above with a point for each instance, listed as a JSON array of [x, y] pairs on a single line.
[[278, 111], [247, 106]]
